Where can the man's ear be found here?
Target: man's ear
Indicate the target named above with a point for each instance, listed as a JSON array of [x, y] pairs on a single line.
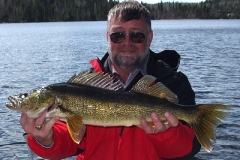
[[150, 36]]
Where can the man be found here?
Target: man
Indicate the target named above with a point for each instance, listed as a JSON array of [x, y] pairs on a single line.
[[129, 36]]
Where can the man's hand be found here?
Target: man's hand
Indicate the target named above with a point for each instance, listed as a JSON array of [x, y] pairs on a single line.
[[39, 128], [158, 125]]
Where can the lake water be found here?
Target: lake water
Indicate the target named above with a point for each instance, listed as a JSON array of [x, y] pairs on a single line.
[[38, 54]]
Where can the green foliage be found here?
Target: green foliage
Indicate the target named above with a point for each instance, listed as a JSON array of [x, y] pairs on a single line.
[[86, 10], [210, 9]]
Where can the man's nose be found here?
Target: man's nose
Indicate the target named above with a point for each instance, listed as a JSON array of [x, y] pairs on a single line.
[[127, 40]]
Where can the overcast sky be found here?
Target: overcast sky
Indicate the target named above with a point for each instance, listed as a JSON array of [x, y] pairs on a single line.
[[156, 1]]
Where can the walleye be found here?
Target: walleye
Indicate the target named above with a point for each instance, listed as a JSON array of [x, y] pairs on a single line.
[[97, 99]]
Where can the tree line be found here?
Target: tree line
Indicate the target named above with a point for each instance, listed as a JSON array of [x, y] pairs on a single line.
[[93, 10], [209, 9]]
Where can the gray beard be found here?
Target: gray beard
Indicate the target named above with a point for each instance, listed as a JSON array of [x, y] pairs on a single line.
[[129, 62]]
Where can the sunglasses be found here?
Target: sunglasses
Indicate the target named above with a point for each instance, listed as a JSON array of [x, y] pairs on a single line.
[[135, 37]]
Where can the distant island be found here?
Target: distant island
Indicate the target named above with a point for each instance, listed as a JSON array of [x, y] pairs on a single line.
[[96, 10]]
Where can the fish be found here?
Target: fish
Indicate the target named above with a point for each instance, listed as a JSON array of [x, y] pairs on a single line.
[[90, 98]]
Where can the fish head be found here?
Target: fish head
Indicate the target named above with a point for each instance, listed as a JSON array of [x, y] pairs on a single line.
[[33, 103]]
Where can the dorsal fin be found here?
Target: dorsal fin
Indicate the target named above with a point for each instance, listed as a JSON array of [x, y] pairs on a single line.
[[147, 85], [95, 79]]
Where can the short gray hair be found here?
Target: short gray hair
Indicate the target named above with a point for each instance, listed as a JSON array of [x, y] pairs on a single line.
[[130, 10]]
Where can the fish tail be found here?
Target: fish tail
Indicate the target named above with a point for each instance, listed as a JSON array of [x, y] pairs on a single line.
[[209, 117]]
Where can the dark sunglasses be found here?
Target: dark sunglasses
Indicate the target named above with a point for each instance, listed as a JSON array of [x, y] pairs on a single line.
[[135, 37]]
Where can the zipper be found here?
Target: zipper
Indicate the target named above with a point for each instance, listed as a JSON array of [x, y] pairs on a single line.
[[120, 138]]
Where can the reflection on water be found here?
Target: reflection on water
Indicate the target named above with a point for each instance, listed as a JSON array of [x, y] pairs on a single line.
[[37, 54]]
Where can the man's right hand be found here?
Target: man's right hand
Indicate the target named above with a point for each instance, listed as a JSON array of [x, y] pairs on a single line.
[[39, 128]]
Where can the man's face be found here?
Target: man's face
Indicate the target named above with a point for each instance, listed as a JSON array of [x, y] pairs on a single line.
[[129, 48]]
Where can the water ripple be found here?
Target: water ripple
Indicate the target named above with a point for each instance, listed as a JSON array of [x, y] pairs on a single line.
[[37, 54]]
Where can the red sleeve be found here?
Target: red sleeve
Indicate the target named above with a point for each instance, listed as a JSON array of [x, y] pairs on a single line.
[[62, 147], [174, 143]]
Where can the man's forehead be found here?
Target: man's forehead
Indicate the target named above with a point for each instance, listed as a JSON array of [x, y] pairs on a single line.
[[123, 18], [135, 23]]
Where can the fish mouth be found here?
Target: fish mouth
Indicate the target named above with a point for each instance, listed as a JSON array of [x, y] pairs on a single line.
[[14, 103], [52, 106]]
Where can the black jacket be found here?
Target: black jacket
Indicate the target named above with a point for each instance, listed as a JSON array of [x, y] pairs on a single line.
[[164, 67]]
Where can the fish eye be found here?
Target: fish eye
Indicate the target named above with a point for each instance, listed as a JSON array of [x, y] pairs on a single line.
[[24, 95], [35, 90]]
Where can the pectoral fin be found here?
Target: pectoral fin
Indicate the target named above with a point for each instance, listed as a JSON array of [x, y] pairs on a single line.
[[76, 128]]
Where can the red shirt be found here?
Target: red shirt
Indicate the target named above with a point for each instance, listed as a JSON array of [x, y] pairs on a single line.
[[105, 143]]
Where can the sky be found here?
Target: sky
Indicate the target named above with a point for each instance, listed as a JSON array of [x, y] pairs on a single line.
[[156, 1]]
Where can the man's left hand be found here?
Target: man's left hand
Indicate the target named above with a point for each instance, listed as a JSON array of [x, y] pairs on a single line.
[[158, 125]]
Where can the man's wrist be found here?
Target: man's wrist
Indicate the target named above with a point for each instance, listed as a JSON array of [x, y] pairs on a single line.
[[48, 144]]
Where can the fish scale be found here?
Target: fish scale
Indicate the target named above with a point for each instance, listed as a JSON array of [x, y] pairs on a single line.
[[83, 100]]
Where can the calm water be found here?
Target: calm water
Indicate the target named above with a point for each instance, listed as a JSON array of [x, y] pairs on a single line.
[[37, 54]]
